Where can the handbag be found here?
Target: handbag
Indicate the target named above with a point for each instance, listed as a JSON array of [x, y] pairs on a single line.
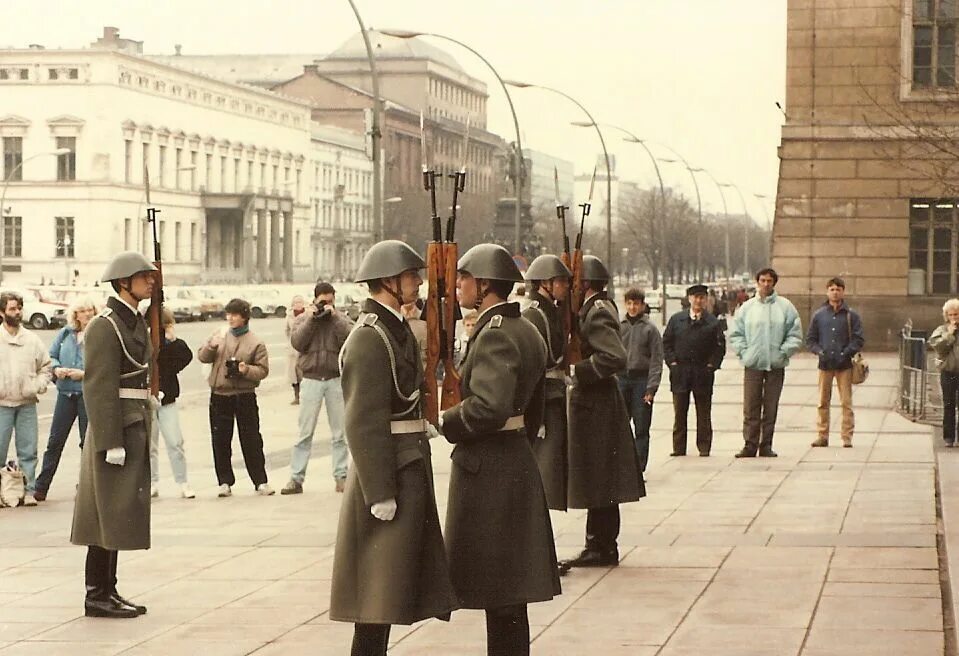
[[12, 485], [860, 368]]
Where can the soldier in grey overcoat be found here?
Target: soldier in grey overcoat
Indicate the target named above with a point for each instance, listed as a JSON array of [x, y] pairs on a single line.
[[498, 533], [389, 566], [550, 280], [603, 464], [112, 511]]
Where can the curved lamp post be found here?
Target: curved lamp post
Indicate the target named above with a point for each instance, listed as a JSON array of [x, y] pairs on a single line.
[[375, 134], [699, 206], [6, 184], [745, 227], [769, 223], [725, 216], [609, 175], [518, 154]]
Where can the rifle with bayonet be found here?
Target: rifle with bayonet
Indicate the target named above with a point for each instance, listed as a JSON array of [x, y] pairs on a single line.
[[441, 257], [574, 260], [154, 318]]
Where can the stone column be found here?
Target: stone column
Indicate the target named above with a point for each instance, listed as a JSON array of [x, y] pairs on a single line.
[[213, 243], [288, 243], [261, 244], [276, 266], [238, 243]]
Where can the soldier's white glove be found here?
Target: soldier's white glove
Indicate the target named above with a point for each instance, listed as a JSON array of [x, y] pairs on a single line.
[[541, 433], [384, 510], [571, 376], [116, 456], [432, 431]]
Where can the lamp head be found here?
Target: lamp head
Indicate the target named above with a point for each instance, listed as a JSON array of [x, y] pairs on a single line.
[[518, 84], [401, 34]]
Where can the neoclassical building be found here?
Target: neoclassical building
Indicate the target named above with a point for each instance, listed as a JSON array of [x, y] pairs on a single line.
[[228, 166]]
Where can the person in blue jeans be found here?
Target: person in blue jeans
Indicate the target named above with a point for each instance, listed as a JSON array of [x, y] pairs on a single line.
[[946, 345], [66, 357], [639, 382], [318, 335]]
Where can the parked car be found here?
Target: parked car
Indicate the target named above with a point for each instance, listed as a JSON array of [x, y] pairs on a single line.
[[210, 306], [654, 299], [349, 298], [36, 313], [184, 303]]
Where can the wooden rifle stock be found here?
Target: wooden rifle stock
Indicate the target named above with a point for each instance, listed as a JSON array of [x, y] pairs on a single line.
[[154, 314], [451, 378], [574, 301], [435, 266]]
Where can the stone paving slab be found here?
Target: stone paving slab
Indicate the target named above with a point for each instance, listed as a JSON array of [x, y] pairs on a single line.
[[819, 552]]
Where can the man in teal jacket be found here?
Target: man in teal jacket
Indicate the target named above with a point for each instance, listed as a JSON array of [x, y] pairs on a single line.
[[766, 332]]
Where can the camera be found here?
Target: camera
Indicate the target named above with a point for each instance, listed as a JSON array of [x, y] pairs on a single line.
[[321, 310], [233, 369]]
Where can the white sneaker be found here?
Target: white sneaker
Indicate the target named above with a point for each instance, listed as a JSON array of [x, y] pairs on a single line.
[[28, 500], [225, 491], [264, 490], [187, 492], [154, 490]]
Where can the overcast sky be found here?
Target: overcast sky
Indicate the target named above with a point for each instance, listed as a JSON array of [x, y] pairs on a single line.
[[702, 76]]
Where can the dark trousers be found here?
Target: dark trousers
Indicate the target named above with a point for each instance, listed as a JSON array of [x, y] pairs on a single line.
[[101, 572], [370, 639], [633, 388], [243, 409], [67, 410], [704, 420], [761, 392], [507, 631], [602, 528], [950, 394]]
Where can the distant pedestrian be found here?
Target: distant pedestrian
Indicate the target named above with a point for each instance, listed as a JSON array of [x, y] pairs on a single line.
[[173, 358], [24, 375], [66, 358], [293, 372], [766, 333], [944, 342], [240, 361], [835, 335], [318, 336], [639, 382], [694, 347]]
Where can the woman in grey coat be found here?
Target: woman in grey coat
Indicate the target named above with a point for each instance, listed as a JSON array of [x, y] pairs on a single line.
[[946, 346]]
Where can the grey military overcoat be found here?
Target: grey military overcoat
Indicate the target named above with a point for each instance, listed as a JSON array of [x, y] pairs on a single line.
[[498, 533], [113, 502], [387, 572], [603, 466]]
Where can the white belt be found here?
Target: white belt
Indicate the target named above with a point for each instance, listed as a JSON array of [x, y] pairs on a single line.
[[407, 426], [556, 374], [130, 393], [514, 423]]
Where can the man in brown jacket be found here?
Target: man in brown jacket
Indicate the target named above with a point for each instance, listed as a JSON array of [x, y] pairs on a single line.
[[389, 566], [240, 362], [112, 511], [603, 464]]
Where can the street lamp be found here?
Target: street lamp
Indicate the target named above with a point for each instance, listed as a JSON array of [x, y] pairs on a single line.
[[699, 206], [4, 210], [769, 225], [745, 227], [725, 217], [609, 174], [517, 155], [375, 135]]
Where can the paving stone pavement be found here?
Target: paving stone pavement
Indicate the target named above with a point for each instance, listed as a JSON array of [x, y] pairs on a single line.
[[820, 552]]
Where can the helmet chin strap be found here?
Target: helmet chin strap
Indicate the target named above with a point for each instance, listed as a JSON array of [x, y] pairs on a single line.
[[397, 296]]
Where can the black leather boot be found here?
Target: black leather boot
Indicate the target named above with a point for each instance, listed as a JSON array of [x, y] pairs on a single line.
[[767, 452], [140, 610], [112, 580], [99, 603], [593, 558]]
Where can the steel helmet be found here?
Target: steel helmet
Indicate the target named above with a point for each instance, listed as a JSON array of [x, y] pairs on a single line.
[[125, 265], [490, 262], [547, 266], [594, 269], [386, 259]]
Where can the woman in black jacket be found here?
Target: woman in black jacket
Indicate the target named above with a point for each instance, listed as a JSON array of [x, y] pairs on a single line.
[[173, 358]]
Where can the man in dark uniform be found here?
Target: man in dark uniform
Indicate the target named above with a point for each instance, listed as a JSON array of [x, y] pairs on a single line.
[[498, 533], [549, 278], [603, 464], [693, 348], [389, 566], [112, 511]]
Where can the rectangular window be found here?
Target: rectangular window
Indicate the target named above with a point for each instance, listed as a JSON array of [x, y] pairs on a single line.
[[222, 174], [177, 255], [161, 177], [934, 244], [934, 44], [127, 234], [12, 159], [178, 161], [67, 164], [193, 241], [12, 236], [236, 175], [65, 236], [145, 171], [193, 170], [127, 161], [208, 180]]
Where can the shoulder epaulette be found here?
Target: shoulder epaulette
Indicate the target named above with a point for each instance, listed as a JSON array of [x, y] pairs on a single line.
[[369, 319], [600, 304], [496, 322], [534, 305], [105, 312]]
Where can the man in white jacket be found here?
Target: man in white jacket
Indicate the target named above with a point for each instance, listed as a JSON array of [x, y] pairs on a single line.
[[24, 375]]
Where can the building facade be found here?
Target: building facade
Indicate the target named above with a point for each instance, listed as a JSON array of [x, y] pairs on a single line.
[[868, 187], [226, 165]]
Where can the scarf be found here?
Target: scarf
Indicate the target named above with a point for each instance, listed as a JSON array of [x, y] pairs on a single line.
[[239, 332]]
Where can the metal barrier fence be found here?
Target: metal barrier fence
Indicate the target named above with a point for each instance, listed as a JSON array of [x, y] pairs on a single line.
[[920, 397]]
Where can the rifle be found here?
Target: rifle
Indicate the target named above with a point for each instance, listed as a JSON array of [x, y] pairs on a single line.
[[574, 261], [156, 302]]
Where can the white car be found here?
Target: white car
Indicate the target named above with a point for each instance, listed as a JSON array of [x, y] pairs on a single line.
[[38, 314], [654, 299]]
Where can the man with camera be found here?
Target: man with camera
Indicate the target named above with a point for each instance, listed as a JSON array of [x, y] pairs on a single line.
[[318, 335], [240, 362]]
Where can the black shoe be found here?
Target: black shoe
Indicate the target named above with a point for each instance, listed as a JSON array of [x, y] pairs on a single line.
[[141, 610], [108, 607], [676, 454], [704, 454], [593, 558], [563, 568], [746, 453], [949, 445], [767, 452]]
